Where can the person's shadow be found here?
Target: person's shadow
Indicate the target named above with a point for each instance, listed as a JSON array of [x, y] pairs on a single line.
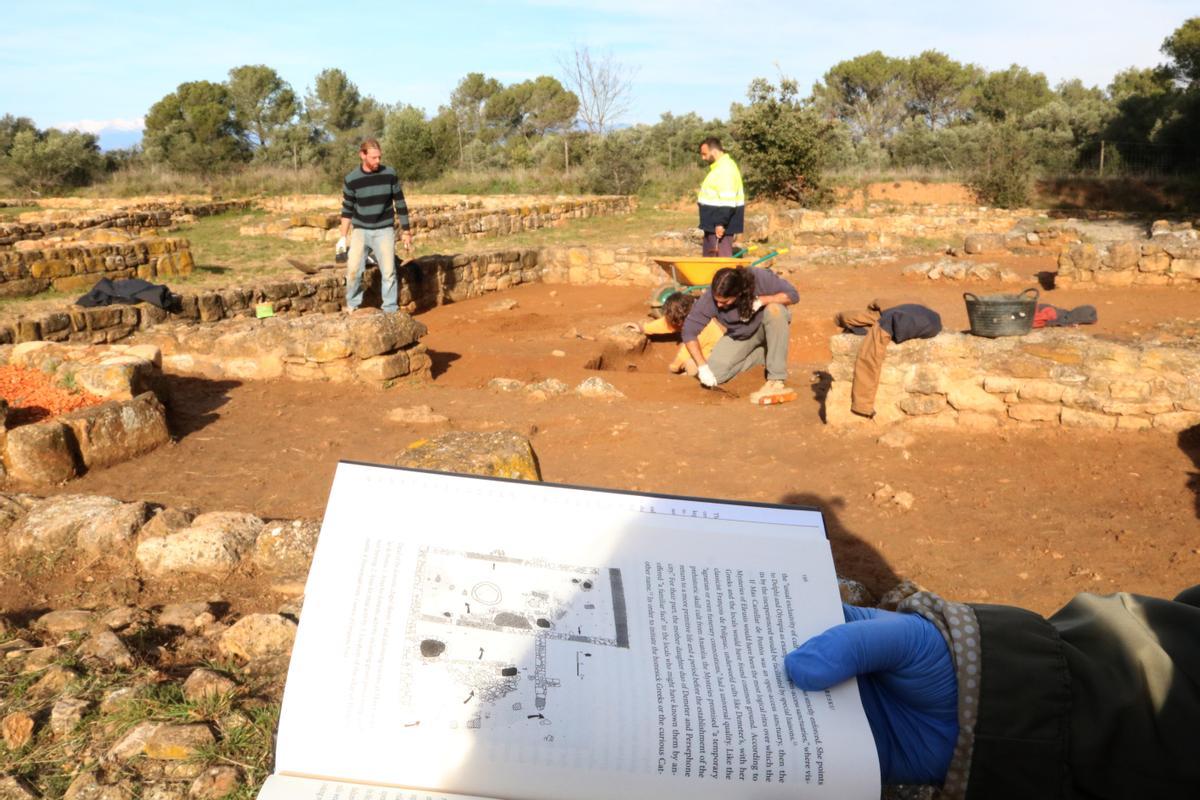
[[853, 557], [1189, 443]]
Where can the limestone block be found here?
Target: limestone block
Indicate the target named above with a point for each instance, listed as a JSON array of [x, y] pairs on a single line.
[[383, 368], [967, 395], [1155, 262], [212, 545], [117, 378], [259, 637], [41, 453], [924, 379], [178, 742], [286, 548], [923, 404], [997, 384], [983, 243], [1075, 418], [115, 432], [503, 454], [1041, 391], [64, 622], [1122, 255], [1176, 421], [1035, 412], [92, 524], [1186, 267], [1133, 391]]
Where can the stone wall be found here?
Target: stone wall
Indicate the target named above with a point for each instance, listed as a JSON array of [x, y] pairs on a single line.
[[621, 266], [68, 224], [372, 348], [878, 226], [1046, 378], [1165, 259], [470, 221], [130, 422], [424, 283], [77, 267]]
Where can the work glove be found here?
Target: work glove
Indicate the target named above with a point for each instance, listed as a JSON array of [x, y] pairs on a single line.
[[906, 680], [755, 306], [341, 247], [706, 376]]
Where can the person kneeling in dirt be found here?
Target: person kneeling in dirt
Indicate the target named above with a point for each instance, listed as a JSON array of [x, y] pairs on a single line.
[[674, 311], [751, 304], [881, 323]]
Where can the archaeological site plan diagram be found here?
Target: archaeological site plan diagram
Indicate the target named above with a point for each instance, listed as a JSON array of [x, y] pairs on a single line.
[[490, 638]]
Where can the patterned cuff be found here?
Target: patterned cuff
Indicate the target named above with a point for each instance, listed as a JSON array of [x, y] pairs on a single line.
[[959, 627]]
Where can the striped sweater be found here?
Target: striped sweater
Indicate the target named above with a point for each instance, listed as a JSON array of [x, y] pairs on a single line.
[[368, 199]]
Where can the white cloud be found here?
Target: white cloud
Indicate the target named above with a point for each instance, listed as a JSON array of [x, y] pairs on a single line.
[[102, 125]]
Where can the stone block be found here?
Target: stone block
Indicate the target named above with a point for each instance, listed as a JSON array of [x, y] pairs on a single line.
[[502, 454], [976, 243], [1075, 418], [115, 432], [1176, 421], [1186, 268], [383, 368], [978, 421], [212, 545], [1035, 412], [91, 524], [1125, 423], [923, 404], [1122, 255], [969, 396], [1154, 262], [42, 453], [924, 379], [1041, 391]]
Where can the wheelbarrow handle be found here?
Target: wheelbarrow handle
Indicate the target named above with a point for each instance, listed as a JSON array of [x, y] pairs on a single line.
[[1027, 291], [970, 296]]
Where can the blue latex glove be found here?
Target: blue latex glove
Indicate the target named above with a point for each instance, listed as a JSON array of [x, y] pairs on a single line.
[[906, 680]]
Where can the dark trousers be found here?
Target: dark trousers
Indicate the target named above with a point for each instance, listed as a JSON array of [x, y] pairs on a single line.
[[722, 247]]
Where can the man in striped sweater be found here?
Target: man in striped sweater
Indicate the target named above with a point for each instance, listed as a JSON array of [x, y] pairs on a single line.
[[371, 200]]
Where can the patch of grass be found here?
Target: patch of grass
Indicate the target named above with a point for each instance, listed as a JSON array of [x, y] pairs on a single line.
[[636, 229], [12, 212], [248, 745], [926, 245]]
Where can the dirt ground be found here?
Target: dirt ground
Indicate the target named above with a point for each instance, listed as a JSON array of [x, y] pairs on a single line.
[[1023, 517]]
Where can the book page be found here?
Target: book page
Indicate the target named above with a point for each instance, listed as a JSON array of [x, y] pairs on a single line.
[[287, 787], [526, 641]]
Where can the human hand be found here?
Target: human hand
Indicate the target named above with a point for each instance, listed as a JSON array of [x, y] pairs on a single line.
[[906, 680], [406, 238], [340, 247], [720, 231], [756, 305], [706, 376]]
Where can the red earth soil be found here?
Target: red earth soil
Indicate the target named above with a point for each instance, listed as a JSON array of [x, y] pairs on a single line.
[[33, 396]]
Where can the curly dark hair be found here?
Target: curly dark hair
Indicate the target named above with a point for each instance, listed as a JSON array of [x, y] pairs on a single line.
[[676, 308], [738, 283]]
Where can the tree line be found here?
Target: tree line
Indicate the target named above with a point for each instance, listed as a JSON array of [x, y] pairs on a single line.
[[874, 112]]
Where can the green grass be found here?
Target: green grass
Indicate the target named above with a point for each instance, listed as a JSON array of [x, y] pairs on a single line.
[[12, 212]]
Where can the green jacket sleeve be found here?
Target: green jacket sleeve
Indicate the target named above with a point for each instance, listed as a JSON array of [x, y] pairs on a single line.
[[1100, 701]]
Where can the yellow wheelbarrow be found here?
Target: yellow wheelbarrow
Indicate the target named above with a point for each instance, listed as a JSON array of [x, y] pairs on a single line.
[[694, 274]]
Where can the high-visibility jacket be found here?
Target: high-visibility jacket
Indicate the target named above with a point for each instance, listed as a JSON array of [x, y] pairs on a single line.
[[721, 198]]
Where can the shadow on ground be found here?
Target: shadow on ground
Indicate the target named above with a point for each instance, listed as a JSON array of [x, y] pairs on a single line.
[[852, 555], [192, 402], [1189, 443]]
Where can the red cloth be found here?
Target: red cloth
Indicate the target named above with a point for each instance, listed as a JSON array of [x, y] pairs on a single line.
[[1044, 316]]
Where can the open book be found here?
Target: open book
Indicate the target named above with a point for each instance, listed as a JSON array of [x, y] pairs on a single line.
[[477, 637]]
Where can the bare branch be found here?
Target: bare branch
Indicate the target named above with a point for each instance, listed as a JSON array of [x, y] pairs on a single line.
[[602, 85]]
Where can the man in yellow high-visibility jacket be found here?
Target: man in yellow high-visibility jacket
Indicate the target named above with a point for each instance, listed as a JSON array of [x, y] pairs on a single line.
[[722, 200]]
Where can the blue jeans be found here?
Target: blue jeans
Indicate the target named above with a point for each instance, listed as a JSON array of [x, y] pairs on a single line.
[[383, 244]]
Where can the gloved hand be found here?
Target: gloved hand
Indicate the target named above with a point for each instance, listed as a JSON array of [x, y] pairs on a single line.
[[756, 305], [706, 376], [906, 680], [341, 246]]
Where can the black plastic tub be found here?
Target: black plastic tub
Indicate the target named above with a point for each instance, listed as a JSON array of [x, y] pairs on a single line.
[[996, 315]]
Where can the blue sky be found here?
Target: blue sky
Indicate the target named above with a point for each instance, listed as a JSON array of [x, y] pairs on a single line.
[[100, 66]]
